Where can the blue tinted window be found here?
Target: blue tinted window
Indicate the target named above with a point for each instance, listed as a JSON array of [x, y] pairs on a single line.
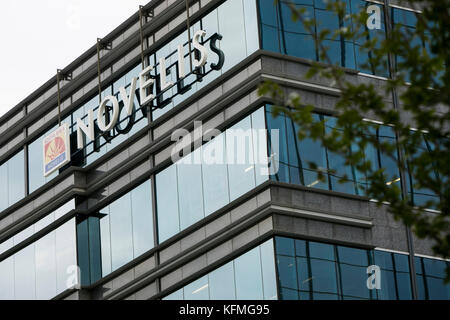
[[395, 275], [268, 270], [404, 286], [317, 273], [388, 289], [287, 272], [280, 33], [324, 278], [321, 250], [300, 248], [354, 281], [384, 260], [285, 246], [300, 161], [304, 276], [281, 166], [353, 256], [419, 195]]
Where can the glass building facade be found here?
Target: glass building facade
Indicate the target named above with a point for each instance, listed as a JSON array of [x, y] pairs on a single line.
[[240, 38], [12, 181], [41, 270], [281, 34], [248, 277], [36, 262], [309, 270], [198, 185]]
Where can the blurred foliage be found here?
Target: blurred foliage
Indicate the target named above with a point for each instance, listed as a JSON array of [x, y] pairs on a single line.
[[421, 83]]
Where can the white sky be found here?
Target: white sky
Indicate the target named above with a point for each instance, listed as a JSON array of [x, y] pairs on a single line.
[[39, 36]]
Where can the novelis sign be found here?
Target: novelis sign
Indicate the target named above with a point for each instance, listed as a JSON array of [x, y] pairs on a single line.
[[110, 108]]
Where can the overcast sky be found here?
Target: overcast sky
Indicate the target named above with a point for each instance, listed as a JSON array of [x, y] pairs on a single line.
[[39, 36]]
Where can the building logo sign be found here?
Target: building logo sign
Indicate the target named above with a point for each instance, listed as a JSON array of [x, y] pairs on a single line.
[[57, 144], [56, 149], [106, 121]]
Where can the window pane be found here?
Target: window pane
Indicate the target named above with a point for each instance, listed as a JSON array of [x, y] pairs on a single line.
[[270, 38], [323, 275], [66, 255], [25, 277], [239, 279], [303, 275], [46, 267], [287, 272], [190, 190], [141, 204], [251, 26], [105, 239], [288, 294], [16, 178], [437, 289], [6, 279], [221, 283], [285, 246], [248, 276], [337, 163], [121, 232], [268, 270], [231, 43], [300, 248], [388, 291], [240, 159], [4, 186], [167, 203], [197, 290], [384, 260], [352, 256], [401, 262], [354, 281], [260, 145], [321, 250], [215, 175], [268, 13], [312, 152], [404, 286]]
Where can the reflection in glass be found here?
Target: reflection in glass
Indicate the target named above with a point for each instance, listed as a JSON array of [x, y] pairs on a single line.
[[249, 277], [312, 270], [39, 271], [209, 178], [12, 180], [126, 229], [430, 275], [41, 224]]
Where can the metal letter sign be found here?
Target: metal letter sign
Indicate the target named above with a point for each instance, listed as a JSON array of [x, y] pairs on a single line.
[[56, 147], [57, 144]]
